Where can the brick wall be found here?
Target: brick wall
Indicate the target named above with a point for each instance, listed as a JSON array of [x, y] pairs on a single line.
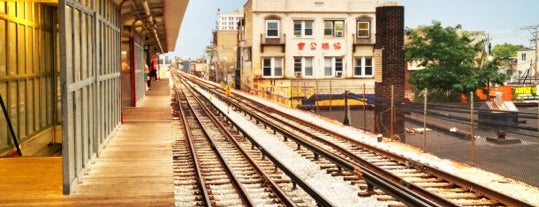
[[390, 40]]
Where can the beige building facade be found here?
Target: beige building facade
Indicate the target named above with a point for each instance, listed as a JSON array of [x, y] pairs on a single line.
[[292, 49], [526, 71], [224, 49], [224, 55]]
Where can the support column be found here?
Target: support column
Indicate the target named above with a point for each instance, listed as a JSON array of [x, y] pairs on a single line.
[[390, 41]]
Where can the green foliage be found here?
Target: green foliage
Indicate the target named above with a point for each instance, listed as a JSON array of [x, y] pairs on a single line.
[[209, 50], [506, 50], [438, 97], [448, 55], [504, 53]]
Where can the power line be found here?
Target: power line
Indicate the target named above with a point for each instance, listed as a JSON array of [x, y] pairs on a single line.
[[534, 31]]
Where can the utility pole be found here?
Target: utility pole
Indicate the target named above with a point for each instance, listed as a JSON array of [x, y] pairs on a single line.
[[534, 30], [536, 50]]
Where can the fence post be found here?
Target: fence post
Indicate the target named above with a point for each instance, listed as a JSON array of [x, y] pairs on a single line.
[[346, 121], [392, 112], [425, 121], [364, 108], [472, 138]]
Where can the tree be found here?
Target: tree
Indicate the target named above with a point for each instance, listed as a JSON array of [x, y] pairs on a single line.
[[506, 50], [505, 55], [448, 56]]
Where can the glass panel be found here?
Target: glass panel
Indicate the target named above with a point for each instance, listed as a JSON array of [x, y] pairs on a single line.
[[272, 25], [278, 70], [339, 25], [297, 64], [266, 67], [297, 28], [308, 66], [357, 67], [328, 28], [368, 66], [272, 29], [3, 51], [328, 67], [308, 28], [339, 28], [338, 64], [273, 33], [363, 29], [363, 25]]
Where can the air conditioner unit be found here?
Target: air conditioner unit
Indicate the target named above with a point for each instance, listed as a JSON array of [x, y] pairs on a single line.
[[338, 73], [298, 74]]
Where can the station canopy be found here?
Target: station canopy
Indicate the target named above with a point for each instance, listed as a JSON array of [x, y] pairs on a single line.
[[158, 21]]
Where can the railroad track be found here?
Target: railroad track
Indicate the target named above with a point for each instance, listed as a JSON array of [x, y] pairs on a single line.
[[405, 180], [222, 172]]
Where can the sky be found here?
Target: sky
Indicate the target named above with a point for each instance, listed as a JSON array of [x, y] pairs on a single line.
[[505, 21]]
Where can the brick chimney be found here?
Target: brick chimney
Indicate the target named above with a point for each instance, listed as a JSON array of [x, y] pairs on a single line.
[[390, 44]]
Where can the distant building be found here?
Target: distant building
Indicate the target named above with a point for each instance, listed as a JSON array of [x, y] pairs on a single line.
[[526, 71], [228, 21], [293, 49], [224, 47]]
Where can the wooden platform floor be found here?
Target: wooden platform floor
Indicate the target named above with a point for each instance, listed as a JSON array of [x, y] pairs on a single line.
[[134, 169]]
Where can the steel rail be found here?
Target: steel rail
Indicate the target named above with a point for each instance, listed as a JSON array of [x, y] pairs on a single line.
[[468, 185], [495, 196], [280, 194], [318, 197], [465, 184], [242, 192], [397, 190], [380, 178], [187, 132]]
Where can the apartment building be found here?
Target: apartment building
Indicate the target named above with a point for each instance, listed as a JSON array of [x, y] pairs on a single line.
[[229, 20], [526, 70], [295, 48], [224, 47]]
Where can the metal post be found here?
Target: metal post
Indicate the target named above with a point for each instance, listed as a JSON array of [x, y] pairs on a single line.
[[364, 109], [10, 126], [346, 120], [298, 91], [392, 112], [330, 98], [316, 96], [536, 53], [425, 121], [472, 129]]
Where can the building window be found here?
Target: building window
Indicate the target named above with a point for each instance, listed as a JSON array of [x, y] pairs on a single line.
[[303, 66], [363, 67], [297, 65], [303, 28], [363, 29], [272, 67], [333, 66], [308, 66], [523, 56], [334, 28], [272, 28]]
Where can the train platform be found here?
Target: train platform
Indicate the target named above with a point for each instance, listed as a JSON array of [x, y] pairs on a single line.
[[133, 169]]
